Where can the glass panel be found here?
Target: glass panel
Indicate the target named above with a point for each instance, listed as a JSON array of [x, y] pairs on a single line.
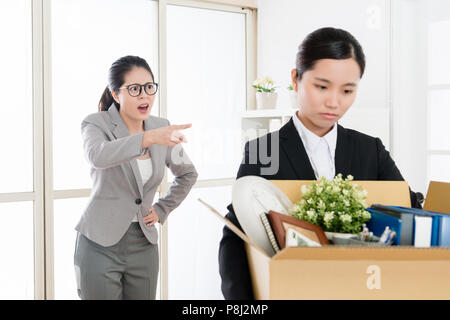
[[419, 67], [439, 51], [194, 237], [206, 74], [438, 168], [16, 116], [16, 247], [67, 213], [114, 28], [438, 115]]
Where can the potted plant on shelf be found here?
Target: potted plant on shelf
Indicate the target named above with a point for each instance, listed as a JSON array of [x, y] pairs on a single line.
[[266, 97], [337, 206], [292, 96]]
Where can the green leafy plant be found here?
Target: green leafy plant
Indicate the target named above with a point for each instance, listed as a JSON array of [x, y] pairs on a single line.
[[264, 85], [336, 205], [290, 87]]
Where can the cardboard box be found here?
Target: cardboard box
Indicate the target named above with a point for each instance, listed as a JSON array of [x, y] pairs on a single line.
[[343, 272]]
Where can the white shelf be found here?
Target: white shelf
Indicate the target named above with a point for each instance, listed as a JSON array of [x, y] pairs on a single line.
[[269, 113]]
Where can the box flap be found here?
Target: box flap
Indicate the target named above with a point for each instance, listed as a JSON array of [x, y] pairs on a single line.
[[382, 192], [233, 228], [258, 263], [438, 197], [362, 253]]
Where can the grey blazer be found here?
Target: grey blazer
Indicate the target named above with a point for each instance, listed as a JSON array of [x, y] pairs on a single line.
[[118, 193]]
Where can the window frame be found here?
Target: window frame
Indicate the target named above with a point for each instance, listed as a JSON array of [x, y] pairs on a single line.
[[251, 37]]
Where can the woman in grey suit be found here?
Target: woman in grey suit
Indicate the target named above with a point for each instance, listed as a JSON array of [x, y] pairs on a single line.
[[116, 252]]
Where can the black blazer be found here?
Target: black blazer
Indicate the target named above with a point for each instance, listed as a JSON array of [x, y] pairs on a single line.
[[362, 156]]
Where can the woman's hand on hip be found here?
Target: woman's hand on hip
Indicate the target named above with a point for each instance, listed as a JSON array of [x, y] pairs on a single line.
[[151, 218], [166, 136]]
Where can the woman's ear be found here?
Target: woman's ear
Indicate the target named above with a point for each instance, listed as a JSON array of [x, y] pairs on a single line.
[[115, 96], [294, 79]]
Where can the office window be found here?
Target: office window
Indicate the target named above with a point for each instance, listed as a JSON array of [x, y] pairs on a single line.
[[67, 214], [438, 167], [438, 51], [87, 37], [16, 126], [438, 100], [16, 246], [194, 237], [420, 88], [438, 115], [16, 162], [206, 85]]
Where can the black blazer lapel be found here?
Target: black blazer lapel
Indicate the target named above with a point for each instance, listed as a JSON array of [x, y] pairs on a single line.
[[292, 145], [344, 153]]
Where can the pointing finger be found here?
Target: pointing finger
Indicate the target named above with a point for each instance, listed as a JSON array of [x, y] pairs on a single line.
[[182, 126]]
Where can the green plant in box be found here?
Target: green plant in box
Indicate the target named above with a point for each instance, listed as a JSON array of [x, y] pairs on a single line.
[[336, 205]]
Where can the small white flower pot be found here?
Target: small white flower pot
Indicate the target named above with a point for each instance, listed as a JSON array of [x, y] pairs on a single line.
[[293, 97], [266, 100], [339, 238]]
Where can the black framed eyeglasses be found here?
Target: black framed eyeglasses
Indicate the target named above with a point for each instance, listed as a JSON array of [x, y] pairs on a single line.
[[135, 89]]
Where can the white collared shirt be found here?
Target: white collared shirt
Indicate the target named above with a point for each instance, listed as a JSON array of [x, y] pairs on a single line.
[[320, 150]]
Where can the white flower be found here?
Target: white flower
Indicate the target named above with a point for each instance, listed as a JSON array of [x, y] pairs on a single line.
[[332, 200], [268, 80], [329, 216], [321, 204], [366, 214], [311, 214], [346, 218]]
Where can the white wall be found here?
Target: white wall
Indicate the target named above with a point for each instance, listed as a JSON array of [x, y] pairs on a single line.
[[283, 24]]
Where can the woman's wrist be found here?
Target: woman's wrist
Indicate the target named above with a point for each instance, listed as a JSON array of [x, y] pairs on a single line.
[[147, 139]]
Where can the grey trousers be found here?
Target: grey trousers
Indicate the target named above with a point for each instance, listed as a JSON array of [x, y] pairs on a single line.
[[126, 270]]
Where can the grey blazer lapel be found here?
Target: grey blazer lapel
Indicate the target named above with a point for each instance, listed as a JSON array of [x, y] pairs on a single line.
[[119, 131], [155, 154]]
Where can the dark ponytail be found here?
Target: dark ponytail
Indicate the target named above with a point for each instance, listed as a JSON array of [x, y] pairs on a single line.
[[106, 101], [116, 78], [328, 43]]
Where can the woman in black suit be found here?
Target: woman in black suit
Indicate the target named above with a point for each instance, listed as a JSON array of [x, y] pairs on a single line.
[[330, 62]]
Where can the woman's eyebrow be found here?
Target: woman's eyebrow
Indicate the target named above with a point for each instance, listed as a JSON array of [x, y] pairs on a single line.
[[322, 79], [352, 84]]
